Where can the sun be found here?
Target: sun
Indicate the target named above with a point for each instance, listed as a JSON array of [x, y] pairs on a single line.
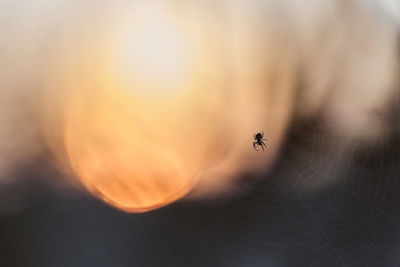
[[155, 52]]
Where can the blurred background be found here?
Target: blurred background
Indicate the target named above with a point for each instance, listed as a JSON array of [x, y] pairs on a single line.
[[126, 133]]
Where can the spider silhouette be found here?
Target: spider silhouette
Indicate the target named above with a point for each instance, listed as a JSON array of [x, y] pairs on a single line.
[[259, 137]]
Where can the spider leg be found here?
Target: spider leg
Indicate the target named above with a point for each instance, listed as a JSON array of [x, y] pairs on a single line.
[[263, 144], [254, 145]]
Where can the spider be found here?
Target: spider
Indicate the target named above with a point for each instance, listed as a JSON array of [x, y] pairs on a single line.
[[259, 137]]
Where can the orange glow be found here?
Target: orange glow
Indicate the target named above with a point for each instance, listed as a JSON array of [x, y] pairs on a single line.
[[147, 121], [134, 133]]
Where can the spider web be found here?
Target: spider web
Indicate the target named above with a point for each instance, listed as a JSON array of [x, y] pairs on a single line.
[[335, 204]]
